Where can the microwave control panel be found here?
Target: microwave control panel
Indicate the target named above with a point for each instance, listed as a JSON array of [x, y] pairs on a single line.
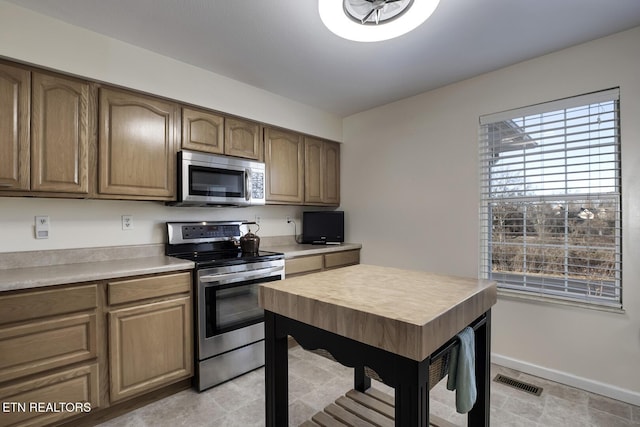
[[257, 185]]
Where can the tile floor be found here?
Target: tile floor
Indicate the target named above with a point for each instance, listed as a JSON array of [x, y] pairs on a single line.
[[314, 382]]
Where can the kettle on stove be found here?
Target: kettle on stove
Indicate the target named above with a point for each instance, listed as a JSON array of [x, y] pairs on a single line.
[[250, 242]]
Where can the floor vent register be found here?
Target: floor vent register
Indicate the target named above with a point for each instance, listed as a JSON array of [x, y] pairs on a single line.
[[511, 382]]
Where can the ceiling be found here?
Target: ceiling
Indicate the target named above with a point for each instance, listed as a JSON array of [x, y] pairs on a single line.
[[282, 46]]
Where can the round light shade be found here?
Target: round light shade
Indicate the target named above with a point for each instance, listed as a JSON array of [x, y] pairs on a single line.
[[333, 15]]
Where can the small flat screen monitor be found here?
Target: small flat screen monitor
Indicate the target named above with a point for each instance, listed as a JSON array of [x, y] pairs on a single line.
[[323, 227]]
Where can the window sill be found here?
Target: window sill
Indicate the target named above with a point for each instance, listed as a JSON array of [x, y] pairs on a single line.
[[523, 296]]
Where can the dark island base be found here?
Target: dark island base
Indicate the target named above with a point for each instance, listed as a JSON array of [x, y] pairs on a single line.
[[409, 378]]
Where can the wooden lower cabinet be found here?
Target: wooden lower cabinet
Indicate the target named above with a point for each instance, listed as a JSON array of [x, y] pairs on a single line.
[[342, 259], [93, 346], [149, 346], [305, 264], [49, 354], [314, 263], [150, 342], [43, 400]]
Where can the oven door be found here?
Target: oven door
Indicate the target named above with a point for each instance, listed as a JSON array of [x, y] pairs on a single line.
[[228, 313]]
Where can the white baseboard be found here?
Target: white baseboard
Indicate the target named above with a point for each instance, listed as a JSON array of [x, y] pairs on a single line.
[[586, 384]]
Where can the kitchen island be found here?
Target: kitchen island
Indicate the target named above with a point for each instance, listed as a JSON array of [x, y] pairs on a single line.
[[387, 319]]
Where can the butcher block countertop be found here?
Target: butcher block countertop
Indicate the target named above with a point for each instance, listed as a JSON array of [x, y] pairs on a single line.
[[411, 313]]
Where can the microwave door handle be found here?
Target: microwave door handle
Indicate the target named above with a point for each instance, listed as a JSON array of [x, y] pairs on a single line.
[[251, 274], [247, 175]]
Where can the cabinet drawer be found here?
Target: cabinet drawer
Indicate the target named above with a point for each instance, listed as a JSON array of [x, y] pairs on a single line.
[[38, 346], [303, 264], [149, 287], [77, 386], [35, 304], [339, 259]]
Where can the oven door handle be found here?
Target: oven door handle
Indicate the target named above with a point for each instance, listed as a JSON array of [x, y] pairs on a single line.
[[246, 275]]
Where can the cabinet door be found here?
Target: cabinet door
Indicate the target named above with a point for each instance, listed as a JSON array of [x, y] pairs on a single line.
[[150, 345], [331, 163], [137, 146], [313, 171], [202, 131], [15, 88], [242, 138], [321, 172], [59, 134], [284, 158]]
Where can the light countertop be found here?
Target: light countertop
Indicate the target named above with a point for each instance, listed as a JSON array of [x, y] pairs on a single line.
[[35, 277], [35, 269], [26, 270], [292, 250], [411, 313]]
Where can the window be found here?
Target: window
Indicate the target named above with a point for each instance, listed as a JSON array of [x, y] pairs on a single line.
[[550, 193]]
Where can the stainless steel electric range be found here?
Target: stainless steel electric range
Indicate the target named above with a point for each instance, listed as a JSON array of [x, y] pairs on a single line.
[[229, 324]]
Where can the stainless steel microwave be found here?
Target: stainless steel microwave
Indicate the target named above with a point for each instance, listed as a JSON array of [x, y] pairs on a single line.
[[213, 180]]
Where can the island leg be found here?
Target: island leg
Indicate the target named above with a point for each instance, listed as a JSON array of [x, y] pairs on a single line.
[[479, 414], [276, 369], [361, 381], [412, 393]]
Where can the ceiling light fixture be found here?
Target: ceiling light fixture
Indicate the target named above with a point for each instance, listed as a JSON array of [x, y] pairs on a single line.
[[374, 20]]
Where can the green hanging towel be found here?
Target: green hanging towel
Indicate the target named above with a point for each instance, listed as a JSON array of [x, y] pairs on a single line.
[[462, 372]]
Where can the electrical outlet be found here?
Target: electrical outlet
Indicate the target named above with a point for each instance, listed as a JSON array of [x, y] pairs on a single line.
[[127, 222], [257, 220], [288, 219], [42, 227]]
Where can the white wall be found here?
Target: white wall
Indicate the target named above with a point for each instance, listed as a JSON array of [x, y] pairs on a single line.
[[36, 39], [416, 204], [97, 223]]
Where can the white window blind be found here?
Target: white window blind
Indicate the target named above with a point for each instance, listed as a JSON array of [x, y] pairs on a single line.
[[550, 191]]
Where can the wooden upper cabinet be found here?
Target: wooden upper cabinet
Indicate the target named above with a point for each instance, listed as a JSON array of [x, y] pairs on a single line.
[[60, 134], [242, 138], [137, 146], [332, 173], [15, 95], [202, 131], [284, 158], [313, 171], [321, 172]]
